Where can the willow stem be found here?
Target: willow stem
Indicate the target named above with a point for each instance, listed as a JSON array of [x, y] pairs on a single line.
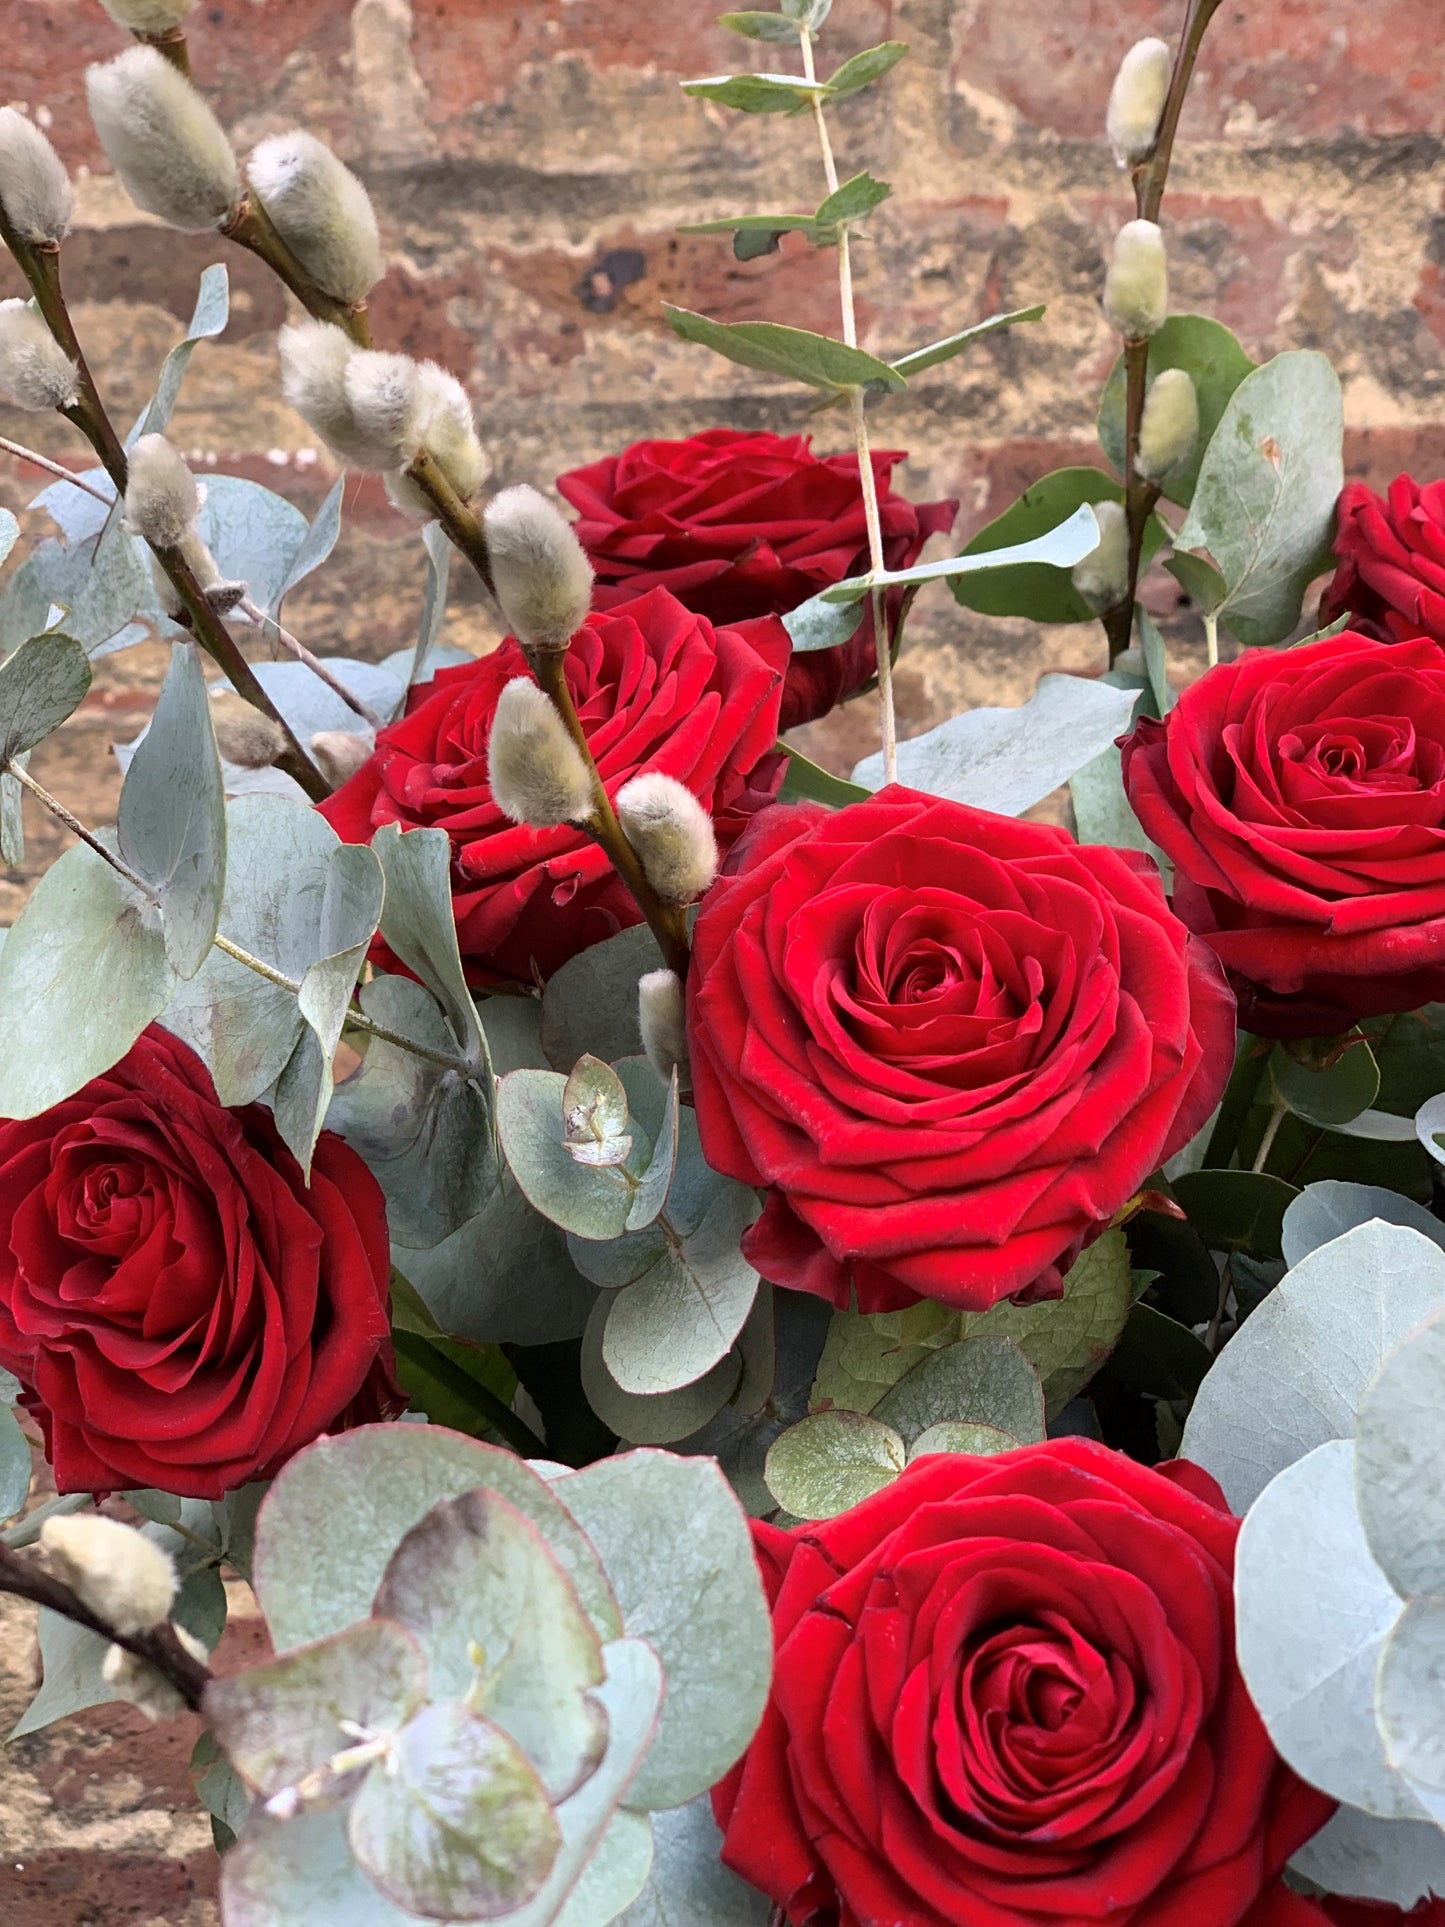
[[665, 920], [867, 481], [314, 663], [172, 43], [461, 523], [159, 1647], [252, 228], [1151, 175]]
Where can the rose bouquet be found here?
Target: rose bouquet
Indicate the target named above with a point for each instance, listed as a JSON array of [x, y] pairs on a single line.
[[773, 1349]]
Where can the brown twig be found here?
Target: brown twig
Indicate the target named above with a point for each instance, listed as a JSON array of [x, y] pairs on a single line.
[[1151, 174], [462, 524], [160, 1648], [172, 43], [251, 227]]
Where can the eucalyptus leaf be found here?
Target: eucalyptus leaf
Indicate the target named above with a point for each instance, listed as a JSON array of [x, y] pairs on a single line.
[[82, 973], [806, 781], [1199, 579], [1102, 811], [657, 1419], [616, 1873], [1398, 1862], [1410, 1702], [920, 359], [308, 706], [15, 1464], [863, 69], [1057, 548], [476, 1577], [590, 1004], [1329, 1097], [1326, 1210], [755, 25], [417, 922], [1398, 1448], [12, 814], [986, 1379], [300, 1872], [1216, 364], [212, 312], [1236, 1210], [71, 1682], [677, 1549], [758, 93], [592, 1201], [1293, 1377], [42, 683], [434, 602], [832, 1461], [319, 540], [1156, 663], [821, 624], [689, 1885], [504, 1277], [854, 199], [656, 1182], [1006, 760], [1264, 504], [953, 1435], [172, 824], [337, 1512], [779, 350], [1042, 593]]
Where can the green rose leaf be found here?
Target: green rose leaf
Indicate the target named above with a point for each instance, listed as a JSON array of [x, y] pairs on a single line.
[[1067, 1339], [1237, 1210], [762, 26], [1264, 504], [337, 1512], [283, 1720], [985, 1379], [501, 1627], [1006, 760], [1044, 594], [758, 93], [1215, 362], [1329, 1097], [457, 1822], [831, 1461], [45, 681], [677, 1549], [778, 350]]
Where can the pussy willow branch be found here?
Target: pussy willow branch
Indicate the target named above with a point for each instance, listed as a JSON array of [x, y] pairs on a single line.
[[462, 524], [355, 1019], [252, 228], [1150, 177], [314, 663], [867, 480], [172, 43], [41, 268], [160, 1648]]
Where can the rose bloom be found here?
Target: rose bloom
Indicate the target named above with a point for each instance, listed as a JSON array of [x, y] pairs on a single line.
[[738, 525], [656, 688], [1005, 1693], [1301, 796], [1391, 575], [182, 1308], [1281, 1908], [953, 1044]]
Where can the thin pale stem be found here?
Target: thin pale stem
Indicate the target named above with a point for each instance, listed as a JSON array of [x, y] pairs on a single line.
[[314, 663], [159, 1648], [665, 920], [59, 469], [77, 828], [1211, 638], [1271, 1131], [252, 228]]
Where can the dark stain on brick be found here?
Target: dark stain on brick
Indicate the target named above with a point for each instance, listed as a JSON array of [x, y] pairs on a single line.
[[601, 286]]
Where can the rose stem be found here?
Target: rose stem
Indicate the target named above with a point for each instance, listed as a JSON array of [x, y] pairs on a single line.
[[41, 268], [866, 477], [355, 1019], [472, 1392], [1239, 1096], [159, 1648], [1150, 176]]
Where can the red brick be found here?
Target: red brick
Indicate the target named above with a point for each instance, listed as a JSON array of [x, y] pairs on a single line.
[[67, 1889]]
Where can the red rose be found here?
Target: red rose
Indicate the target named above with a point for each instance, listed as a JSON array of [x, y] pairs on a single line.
[[954, 1044], [1278, 1907], [1301, 795], [749, 525], [656, 688], [1005, 1693], [1391, 576], [183, 1309]]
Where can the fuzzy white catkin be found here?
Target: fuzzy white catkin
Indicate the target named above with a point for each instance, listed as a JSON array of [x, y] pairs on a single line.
[[662, 1018], [1102, 578], [243, 735], [114, 1570], [542, 577], [161, 497], [34, 186], [202, 565], [35, 371], [384, 394], [1136, 104], [1136, 290], [317, 380], [448, 433], [1169, 430], [339, 754], [162, 139], [132, 1679], [535, 770], [149, 16], [672, 834], [321, 211]]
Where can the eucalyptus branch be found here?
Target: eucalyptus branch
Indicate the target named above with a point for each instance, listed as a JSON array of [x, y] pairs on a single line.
[[355, 1019], [252, 228], [866, 478], [58, 469], [159, 1648], [1150, 176], [665, 920], [41, 268]]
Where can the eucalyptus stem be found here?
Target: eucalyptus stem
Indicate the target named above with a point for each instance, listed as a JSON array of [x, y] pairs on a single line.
[[665, 920], [159, 1647], [1271, 1131], [58, 469], [314, 663], [867, 481], [1211, 637], [252, 228]]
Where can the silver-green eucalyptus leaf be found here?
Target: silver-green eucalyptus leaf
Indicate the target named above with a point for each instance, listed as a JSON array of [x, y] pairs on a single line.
[[506, 1276], [985, 1379], [42, 683], [1329, 1208], [14, 1465], [1399, 1442], [949, 1435], [661, 1418], [831, 1461], [689, 1886], [1059, 548], [592, 1201], [1398, 1862], [418, 923]]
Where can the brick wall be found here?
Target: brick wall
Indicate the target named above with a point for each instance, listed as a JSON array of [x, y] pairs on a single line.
[[532, 160]]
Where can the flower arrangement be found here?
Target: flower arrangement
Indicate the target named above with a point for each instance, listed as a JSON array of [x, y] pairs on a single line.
[[773, 1349]]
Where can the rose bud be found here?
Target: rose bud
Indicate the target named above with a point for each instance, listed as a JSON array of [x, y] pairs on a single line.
[[162, 500], [1136, 291], [672, 834], [1169, 431], [536, 772], [35, 371], [662, 1018], [321, 211], [448, 433], [541, 574], [149, 16], [1102, 578], [114, 1570], [1136, 104], [168, 148], [340, 753], [34, 186]]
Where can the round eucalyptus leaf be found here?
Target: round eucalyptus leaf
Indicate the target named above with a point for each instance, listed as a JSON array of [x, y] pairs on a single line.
[[663, 1417], [689, 1885], [301, 1873], [1067, 1339], [42, 683], [15, 1465], [831, 1461], [952, 1435], [1400, 1441], [985, 1379], [590, 1004], [1410, 1699], [1330, 1208], [591, 1201], [1398, 1862]]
